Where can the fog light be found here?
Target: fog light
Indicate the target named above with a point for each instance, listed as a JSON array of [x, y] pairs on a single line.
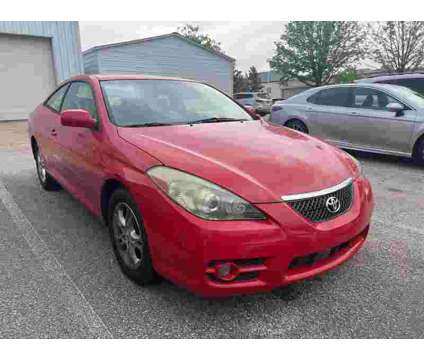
[[226, 271]]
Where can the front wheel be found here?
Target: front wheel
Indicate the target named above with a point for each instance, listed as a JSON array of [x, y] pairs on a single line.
[[129, 238], [297, 125], [419, 152]]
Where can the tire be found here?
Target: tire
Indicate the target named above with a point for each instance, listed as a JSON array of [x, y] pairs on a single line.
[[297, 125], [419, 152], [46, 180], [129, 238]]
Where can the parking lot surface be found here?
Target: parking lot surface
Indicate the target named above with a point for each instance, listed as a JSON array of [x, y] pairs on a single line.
[[59, 277]]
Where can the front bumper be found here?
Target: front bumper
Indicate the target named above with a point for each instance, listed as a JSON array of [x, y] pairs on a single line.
[[270, 253]]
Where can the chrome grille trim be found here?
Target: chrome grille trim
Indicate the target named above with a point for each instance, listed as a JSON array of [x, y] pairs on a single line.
[[315, 208], [313, 194]]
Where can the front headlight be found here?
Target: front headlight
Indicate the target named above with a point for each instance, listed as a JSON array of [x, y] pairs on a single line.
[[201, 197]]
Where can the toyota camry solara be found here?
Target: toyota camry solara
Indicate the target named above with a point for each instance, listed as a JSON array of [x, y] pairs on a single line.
[[193, 188]]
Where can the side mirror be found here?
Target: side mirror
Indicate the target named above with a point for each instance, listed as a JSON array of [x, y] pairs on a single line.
[[252, 111], [77, 118], [396, 108]]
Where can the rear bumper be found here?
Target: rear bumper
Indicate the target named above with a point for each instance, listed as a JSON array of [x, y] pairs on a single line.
[[270, 253], [265, 108]]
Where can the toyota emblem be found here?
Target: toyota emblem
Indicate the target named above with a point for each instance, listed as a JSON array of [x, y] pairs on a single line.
[[333, 204]]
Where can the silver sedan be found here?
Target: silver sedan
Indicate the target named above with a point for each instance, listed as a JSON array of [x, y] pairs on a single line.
[[379, 118]]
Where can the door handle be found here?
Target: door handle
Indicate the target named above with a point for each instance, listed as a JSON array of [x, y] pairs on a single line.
[[53, 132], [354, 113]]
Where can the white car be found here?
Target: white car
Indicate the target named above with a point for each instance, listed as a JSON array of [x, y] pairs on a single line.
[[258, 100]]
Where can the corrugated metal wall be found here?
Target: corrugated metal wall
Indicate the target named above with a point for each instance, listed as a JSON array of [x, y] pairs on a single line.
[[170, 56], [91, 62], [65, 40]]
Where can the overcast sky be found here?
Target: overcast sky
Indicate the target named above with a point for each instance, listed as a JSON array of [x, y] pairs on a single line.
[[250, 43]]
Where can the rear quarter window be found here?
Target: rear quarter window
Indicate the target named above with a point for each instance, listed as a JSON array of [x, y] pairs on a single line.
[[413, 84]]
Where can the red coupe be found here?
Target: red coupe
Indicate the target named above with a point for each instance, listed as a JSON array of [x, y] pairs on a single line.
[[192, 187]]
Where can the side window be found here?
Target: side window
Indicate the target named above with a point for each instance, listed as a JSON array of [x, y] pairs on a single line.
[[366, 98], [333, 97], [80, 96], [55, 101]]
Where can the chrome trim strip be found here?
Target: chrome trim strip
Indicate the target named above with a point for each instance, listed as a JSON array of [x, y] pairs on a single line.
[[317, 193], [346, 145]]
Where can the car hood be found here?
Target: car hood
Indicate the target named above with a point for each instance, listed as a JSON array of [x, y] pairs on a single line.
[[254, 159]]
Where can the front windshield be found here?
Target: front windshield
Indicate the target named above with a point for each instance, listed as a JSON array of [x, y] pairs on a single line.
[[411, 96], [167, 102]]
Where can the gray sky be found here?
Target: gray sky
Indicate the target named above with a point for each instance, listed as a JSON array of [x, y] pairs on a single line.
[[250, 43]]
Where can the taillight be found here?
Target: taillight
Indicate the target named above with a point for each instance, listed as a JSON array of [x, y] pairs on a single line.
[[276, 108]]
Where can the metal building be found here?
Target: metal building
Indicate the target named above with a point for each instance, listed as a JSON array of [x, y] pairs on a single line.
[[34, 57], [165, 55]]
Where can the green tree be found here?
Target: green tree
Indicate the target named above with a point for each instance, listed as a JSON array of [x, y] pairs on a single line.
[[314, 52], [398, 46], [192, 32], [240, 82], [254, 80], [347, 76]]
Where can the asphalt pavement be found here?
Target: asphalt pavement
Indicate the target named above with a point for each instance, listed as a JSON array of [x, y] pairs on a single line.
[[59, 277]]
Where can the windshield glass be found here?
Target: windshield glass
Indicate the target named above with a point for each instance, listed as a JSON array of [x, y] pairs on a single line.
[[411, 96], [167, 102]]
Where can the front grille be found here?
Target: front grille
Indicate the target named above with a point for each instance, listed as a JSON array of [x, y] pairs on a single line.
[[315, 208]]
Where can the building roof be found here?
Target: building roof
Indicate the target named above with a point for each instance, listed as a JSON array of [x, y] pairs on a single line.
[[152, 38], [269, 76]]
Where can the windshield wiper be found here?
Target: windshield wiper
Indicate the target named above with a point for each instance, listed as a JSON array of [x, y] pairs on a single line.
[[152, 124], [216, 119]]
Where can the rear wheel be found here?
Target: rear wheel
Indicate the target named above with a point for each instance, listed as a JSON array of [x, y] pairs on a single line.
[[297, 125], [129, 238], [46, 180], [419, 151]]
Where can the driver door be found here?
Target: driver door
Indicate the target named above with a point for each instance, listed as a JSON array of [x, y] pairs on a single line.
[[81, 147]]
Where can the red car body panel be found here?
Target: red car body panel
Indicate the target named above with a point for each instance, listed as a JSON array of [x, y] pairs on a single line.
[[255, 160], [250, 159]]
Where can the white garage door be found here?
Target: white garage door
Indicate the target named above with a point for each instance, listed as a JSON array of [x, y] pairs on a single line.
[[26, 74]]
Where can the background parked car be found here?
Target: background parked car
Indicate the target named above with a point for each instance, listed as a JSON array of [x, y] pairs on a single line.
[[414, 81], [378, 118], [259, 100]]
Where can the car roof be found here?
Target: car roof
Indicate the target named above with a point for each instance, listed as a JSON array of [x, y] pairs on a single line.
[[125, 77], [392, 77], [370, 85]]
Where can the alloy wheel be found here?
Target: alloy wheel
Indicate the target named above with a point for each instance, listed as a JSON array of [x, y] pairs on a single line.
[[296, 125], [127, 235], [41, 167]]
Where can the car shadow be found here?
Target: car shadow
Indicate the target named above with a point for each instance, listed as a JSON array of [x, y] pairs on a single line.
[[384, 159]]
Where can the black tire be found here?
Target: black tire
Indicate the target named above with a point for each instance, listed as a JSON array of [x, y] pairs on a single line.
[[297, 125], [47, 182], [419, 152], [140, 272]]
